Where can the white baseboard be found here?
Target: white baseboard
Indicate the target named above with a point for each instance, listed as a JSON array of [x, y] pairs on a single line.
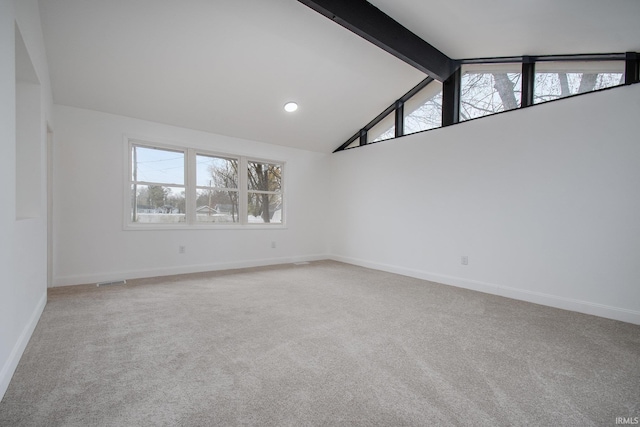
[[586, 307], [18, 349], [83, 279]]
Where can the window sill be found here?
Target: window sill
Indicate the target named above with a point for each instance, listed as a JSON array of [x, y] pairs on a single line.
[[185, 227]]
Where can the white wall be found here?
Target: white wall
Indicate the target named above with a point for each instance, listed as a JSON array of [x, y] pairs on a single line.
[[90, 243], [544, 201], [23, 257]]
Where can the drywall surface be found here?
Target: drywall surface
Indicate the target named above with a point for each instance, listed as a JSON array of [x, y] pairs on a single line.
[[23, 241], [91, 242], [543, 202]]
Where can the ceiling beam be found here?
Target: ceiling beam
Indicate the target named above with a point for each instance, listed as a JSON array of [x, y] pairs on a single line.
[[370, 23]]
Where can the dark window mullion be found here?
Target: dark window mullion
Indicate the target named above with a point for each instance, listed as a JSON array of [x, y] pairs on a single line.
[[451, 99], [528, 77], [363, 137], [632, 68], [399, 118]]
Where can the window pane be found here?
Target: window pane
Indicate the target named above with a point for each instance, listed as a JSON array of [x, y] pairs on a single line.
[[265, 177], [354, 144], [216, 172], [265, 208], [489, 88], [423, 111], [556, 80], [385, 129], [157, 204], [216, 206], [156, 165]]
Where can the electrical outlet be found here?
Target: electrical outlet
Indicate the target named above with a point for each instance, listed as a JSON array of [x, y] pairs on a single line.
[[181, 249], [464, 260]]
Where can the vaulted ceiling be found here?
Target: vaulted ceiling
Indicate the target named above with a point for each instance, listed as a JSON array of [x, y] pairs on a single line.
[[229, 66]]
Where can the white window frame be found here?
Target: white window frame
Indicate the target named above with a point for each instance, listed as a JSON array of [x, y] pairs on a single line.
[[191, 189], [247, 191], [192, 207]]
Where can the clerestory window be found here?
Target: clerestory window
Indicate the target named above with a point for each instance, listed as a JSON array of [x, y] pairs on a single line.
[[487, 89], [423, 111], [483, 87], [555, 80]]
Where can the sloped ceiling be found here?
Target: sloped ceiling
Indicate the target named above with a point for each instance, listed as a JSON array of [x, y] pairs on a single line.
[[493, 28], [229, 66]]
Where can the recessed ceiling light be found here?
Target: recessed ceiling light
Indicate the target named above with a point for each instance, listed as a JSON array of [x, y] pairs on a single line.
[[290, 107]]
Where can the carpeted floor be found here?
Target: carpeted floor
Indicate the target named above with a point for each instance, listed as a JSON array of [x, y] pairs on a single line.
[[319, 344]]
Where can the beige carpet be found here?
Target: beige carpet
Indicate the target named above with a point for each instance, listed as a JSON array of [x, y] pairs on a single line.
[[319, 344]]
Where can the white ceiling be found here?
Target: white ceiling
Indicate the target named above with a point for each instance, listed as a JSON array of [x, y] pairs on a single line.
[[491, 28], [229, 66]]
